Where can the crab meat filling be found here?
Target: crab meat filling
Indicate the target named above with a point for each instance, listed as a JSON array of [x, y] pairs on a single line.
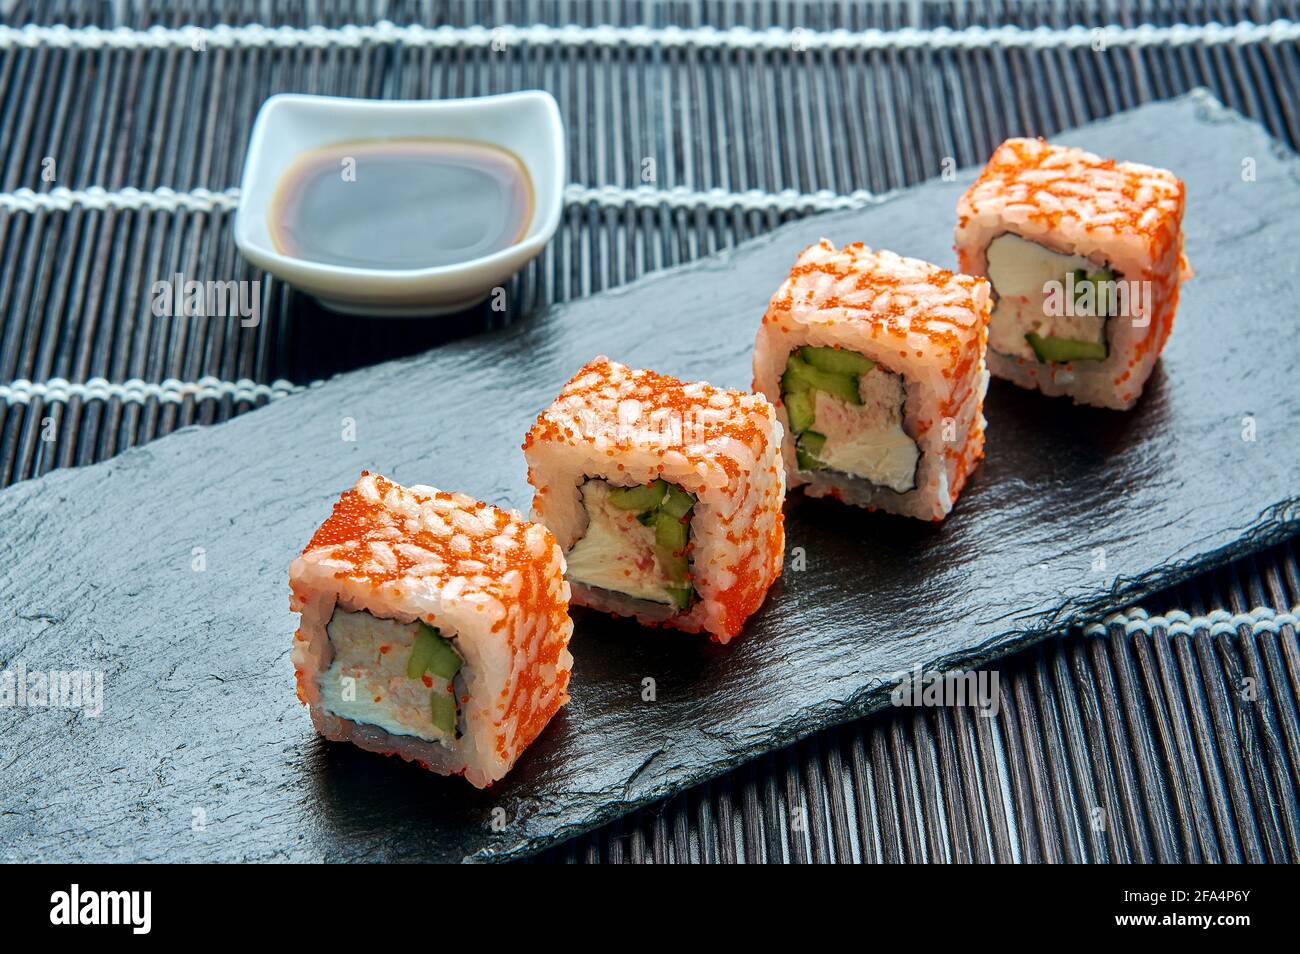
[[867, 440], [402, 677]]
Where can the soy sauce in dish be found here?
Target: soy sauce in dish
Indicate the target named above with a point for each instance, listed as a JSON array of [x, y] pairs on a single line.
[[401, 203]]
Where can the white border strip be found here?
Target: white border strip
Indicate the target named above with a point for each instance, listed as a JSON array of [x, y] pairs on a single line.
[[1219, 622], [733, 38], [137, 391], [62, 199]]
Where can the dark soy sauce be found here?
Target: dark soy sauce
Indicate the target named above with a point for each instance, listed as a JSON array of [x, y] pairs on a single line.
[[401, 203]]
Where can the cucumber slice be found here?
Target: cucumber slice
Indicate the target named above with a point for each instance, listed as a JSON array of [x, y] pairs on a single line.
[[642, 498], [843, 386], [801, 407], [805, 376], [836, 360], [807, 462], [1059, 350], [1100, 301], [677, 568], [677, 503], [442, 706], [1086, 281], [1080, 283], [812, 442], [421, 651], [791, 383], [432, 653], [808, 445], [670, 532], [681, 594]]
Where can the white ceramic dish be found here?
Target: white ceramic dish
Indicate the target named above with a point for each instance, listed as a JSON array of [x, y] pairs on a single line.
[[288, 125]]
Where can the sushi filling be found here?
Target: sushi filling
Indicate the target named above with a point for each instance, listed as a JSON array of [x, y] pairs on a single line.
[[847, 415], [404, 678], [635, 542], [1048, 306]]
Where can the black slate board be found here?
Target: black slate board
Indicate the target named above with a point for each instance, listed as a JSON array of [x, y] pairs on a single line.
[[200, 723]]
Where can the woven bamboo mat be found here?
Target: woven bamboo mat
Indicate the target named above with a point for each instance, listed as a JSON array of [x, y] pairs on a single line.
[[1159, 739]]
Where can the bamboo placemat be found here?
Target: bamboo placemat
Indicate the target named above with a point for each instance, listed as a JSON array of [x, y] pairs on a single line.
[[1164, 739]]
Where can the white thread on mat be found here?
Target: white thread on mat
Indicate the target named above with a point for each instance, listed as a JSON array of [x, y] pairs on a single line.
[[62, 199], [137, 391], [787, 200], [734, 38], [1219, 622]]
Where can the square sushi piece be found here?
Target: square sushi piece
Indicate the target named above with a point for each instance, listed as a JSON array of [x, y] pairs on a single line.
[[665, 496], [434, 627], [1085, 256], [876, 364]]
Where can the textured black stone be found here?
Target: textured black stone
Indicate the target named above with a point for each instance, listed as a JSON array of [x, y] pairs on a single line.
[[200, 719]]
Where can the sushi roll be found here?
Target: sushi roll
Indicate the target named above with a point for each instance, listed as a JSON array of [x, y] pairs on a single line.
[[434, 627], [1085, 256], [876, 364], [664, 495]]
